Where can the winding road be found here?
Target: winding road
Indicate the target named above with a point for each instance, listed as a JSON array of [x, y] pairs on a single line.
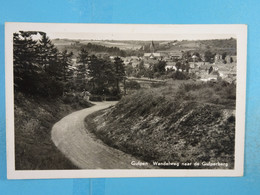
[[83, 148]]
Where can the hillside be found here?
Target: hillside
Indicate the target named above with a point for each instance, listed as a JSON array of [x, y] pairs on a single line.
[[114, 48], [191, 123], [133, 47], [216, 46], [34, 118]]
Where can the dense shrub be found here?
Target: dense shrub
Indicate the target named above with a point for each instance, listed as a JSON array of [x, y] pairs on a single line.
[[217, 93], [96, 98], [132, 85], [113, 98], [180, 75], [157, 84]]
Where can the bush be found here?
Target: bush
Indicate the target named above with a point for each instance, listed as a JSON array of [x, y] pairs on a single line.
[[69, 98], [180, 75], [221, 93], [132, 84], [96, 98], [113, 98], [157, 84], [231, 119]]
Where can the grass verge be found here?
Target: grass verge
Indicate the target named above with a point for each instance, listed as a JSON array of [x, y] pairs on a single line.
[[34, 118]]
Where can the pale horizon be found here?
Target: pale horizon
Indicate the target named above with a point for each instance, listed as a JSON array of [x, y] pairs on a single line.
[[137, 37]]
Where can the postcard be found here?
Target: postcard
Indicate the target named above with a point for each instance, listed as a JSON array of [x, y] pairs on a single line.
[[125, 100]]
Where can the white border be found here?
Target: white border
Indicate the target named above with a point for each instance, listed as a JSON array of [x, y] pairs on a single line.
[[154, 31]]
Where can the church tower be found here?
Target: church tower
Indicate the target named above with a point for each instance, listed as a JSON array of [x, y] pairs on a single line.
[[152, 47]]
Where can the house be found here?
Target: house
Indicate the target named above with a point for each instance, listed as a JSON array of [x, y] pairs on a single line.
[[112, 57], [228, 59], [195, 58], [205, 66], [135, 58], [149, 62], [133, 61], [152, 55], [126, 60], [176, 55], [171, 66], [234, 58], [218, 58]]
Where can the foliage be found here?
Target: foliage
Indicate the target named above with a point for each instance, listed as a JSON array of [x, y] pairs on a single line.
[[67, 70], [209, 56], [132, 85], [38, 67], [129, 70], [82, 62], [218, 93], [119, 72], [41, 70], [177, 75], [105, 75], [100, 48], [34, 118], [159, 67], [187, 56], [180, 124]]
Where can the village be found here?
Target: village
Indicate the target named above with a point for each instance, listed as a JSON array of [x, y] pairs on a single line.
[[220, 67], [204, 68]]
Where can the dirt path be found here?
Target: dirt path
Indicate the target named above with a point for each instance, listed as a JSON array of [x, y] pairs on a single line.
[[77, 144]]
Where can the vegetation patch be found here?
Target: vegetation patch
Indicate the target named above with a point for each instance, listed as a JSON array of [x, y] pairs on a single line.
[[34, 118], [177, 124]]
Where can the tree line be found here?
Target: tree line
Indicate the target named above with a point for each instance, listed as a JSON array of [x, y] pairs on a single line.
[[100, 48], [41, 69]]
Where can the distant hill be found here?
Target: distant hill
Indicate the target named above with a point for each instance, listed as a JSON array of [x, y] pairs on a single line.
[[216, 46], [116, 47]]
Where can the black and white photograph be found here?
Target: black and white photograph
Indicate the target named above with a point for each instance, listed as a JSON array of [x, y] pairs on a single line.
[[118, 100]]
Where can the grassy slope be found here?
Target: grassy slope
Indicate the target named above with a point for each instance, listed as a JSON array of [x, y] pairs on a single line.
[[189, 123], [216, 46], [34, 118]]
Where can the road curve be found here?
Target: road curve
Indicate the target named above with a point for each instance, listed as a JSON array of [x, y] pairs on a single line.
[[82, 148]]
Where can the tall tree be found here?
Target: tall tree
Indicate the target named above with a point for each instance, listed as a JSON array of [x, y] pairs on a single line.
[[48, 55], [209, 56], [106, 75], [178, 65], [67, 69], [36, 67], [101, 74], [119, 72], [25, 64], [82, 61], [52, 84], [187, 56], [160, 67]]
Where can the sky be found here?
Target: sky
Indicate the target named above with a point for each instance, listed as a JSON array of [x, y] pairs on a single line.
[[136, 36]]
